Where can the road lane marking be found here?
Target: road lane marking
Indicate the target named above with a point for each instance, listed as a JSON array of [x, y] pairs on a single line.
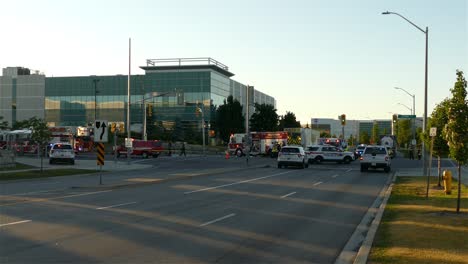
[[81, 194], [15, 223], [217, 220], [317, 183], [44, 191], [289, 194], [143, 180], [235, 183], [349, 170], [334, 176], [117, 205]]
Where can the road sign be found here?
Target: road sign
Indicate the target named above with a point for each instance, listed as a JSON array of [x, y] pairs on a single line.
[[433, 131], [100, 154], [406, 116], [100, 131]]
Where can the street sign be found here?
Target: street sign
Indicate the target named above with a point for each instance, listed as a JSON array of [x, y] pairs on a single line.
[[433, 131], [406, 116], [100, 131], [128, 143]]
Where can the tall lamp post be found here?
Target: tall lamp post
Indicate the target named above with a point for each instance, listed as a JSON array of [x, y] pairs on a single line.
[[413, 112], [426, 32]]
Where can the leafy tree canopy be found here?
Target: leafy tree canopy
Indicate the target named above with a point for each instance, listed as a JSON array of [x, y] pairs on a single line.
[[265, 118], [288, 121], [229, 118]]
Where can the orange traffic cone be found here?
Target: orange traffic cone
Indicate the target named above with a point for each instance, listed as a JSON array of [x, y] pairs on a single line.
[[227, 154]]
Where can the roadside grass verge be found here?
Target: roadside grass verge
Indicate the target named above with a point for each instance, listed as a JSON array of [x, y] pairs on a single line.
[[33, 174], [17, 166], [419, 230]]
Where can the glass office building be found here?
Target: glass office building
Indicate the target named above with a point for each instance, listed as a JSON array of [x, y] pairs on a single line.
[[172, 88]]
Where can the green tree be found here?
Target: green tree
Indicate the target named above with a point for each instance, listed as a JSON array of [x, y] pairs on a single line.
[[325, 134], [265, 118], [40, 135], [375, 133], [364, 138], [24, 124], [438, 119], [3, 124], [288, 121], [455, 130], [229, 118], [404, 131]]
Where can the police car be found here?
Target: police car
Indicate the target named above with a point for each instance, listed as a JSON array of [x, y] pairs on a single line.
[[322, 153]]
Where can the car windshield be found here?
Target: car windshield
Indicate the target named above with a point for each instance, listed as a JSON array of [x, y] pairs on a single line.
[[376, 150], [62, 146], [290, 150]]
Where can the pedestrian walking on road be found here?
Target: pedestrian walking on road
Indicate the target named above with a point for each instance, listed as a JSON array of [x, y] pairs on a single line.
[[182, 150], [170, 149]]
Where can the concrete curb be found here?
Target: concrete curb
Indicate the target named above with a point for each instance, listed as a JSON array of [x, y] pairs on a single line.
[[358, 247], [364, 251]]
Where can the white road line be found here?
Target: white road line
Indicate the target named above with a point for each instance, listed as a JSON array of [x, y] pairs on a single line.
[[317, 183], [44, 183], [15, 223], [289, 194], [117, 205], [82, 194], [334, 176], [44, 191], [235, 183], [349, 170], [217, 220]]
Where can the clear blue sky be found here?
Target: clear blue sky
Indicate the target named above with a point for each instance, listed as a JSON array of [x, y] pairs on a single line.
[[317, 58]]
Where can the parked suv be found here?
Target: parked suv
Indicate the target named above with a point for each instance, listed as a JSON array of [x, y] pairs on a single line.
[[61, 152], [375, 157], [320, 153], [292, 156], [358, 151]]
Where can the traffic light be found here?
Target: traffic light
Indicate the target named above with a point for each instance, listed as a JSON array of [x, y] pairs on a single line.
[[113, 125], [150, 110], [343, 119], [394, 118]]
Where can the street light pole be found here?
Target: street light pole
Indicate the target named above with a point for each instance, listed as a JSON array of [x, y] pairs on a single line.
[[95, 98], [426, 32]]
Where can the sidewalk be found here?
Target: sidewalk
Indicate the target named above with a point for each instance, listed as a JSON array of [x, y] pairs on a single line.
[[419, 172]]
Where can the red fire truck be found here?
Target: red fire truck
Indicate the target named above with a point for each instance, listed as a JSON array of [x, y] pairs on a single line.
[[262, 143], [143, 148]]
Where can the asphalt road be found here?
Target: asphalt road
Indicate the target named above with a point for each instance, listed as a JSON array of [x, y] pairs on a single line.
[[259, 214]]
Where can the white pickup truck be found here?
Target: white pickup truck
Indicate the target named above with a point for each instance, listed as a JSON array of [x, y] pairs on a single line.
[[375, 156]]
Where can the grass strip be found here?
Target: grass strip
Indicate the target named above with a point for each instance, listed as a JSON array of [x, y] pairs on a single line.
[[33, 174], [419, 230], [17, 166]]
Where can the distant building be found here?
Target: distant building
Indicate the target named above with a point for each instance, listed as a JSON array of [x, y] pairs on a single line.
[[21, 94]]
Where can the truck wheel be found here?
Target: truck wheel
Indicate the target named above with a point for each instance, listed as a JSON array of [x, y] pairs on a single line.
[[318, 159], [363, 168], [144, 155], [155, 155], [347, 160], [239, 153]]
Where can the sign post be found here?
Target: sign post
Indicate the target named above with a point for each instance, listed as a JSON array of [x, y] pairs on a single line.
[[432, 134], [100, 136]]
